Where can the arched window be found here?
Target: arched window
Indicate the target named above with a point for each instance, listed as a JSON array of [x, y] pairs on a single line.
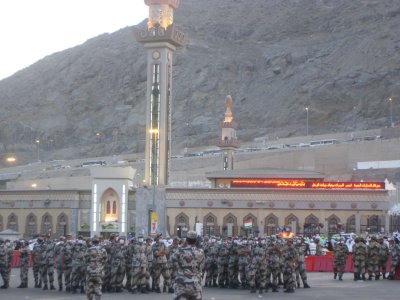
[[31, 225], [62, 225], [12, 222], [333, 222], [114, 211], [210, 226], [108, 208], [351, 224], [271, 224], [181, 225], [374, 224], [47, 224], [250, 225], [311, 225], [230, 225], [290, 220]]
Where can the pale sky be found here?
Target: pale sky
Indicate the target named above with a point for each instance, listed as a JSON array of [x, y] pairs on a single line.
[[33, 29]]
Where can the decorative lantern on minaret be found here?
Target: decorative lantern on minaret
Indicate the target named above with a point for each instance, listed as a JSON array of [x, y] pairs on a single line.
[[228, 142], [161, 38]]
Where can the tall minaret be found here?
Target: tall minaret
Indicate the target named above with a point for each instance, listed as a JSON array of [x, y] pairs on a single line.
[[161, 38], [228, 142]]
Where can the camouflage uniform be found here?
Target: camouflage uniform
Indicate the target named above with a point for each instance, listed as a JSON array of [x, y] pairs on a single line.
[[139, 266], [340, 252], [58, 250], [301, 272], [117, 266], [47, 264], [359, 255], [373, 259], [290, 260], [190, 263], [394, 250], [255, 269], [36, 263], [24, 253], [4, 264], [95, 258], [78, 266], [66, 264], [171, 249], [128, 264], [211, 266], [160, 253], [383, 256], [150, 268], [233, 266], [222, 261], [244, 251], [274, 255]]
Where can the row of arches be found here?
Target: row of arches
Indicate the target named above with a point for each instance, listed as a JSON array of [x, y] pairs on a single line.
[[32, 224], [271, 224]]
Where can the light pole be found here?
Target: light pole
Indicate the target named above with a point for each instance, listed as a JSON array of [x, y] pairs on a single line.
[[37, 143], [391, 111], [307, 120]]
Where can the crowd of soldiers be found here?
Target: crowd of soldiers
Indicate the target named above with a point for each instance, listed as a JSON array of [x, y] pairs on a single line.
[[369, 256], [97, 265]]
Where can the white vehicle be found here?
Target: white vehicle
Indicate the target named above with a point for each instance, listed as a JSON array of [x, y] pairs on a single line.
[[323, 143], [278, 146]]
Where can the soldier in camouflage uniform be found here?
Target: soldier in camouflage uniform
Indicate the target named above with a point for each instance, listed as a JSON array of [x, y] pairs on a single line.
[[394, 250], [47, 263], [139, 266], [24, 253], [211, 266], [160, 253], [117, 262], [66, 262], [107, 268], [233, 265], [290, 260], [150, 268], [255, 269], [4, 264], [302, 249], [373, 258], [244, 252], [36, 262], [222, 261], [78, 266], [359, 255], [95, 258], [190, 262], [171, 249], [58, 249], [128, 264], [383, 256], [340, 252], [274, 255]]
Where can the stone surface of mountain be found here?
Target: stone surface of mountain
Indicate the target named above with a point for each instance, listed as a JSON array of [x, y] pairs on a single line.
[[339, 58]]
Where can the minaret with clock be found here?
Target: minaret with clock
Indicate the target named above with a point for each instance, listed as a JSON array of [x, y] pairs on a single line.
[[161, 38], [228, 142]]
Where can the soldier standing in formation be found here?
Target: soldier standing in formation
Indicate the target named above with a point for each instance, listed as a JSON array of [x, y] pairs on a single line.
[[359, 256], [340, 252], [290, 259], [394, 250], [5, 262], [36, 262], [95, 257], [302, 249], [24, 253], [189, 261], [47, 263], [58, 249], [160, 253]]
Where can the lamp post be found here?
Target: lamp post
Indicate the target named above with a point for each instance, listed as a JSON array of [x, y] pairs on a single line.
[[37, 143], [391, 111], [307, 120]]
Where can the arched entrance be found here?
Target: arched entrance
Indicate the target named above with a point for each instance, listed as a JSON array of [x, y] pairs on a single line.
[[333, 224], [210, 225], [109, 212], [250, 225], [292, 223], [311, 225], [271, 224], [181, 225], [31, 225], [230, 226]]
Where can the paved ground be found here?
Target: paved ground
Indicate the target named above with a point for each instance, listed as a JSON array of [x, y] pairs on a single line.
[[322, 287]]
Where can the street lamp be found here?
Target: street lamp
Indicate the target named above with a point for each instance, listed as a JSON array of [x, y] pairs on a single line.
[[37, 143], [391, 111], [307, 119]]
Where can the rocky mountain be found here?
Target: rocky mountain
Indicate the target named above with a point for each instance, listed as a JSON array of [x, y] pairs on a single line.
[[339, 58]]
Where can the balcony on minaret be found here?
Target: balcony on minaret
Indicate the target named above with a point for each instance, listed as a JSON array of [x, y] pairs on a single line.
[[228, 143], [231, 124]]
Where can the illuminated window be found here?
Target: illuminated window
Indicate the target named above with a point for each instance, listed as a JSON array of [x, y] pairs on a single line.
[[114, 211], [108, 209]]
